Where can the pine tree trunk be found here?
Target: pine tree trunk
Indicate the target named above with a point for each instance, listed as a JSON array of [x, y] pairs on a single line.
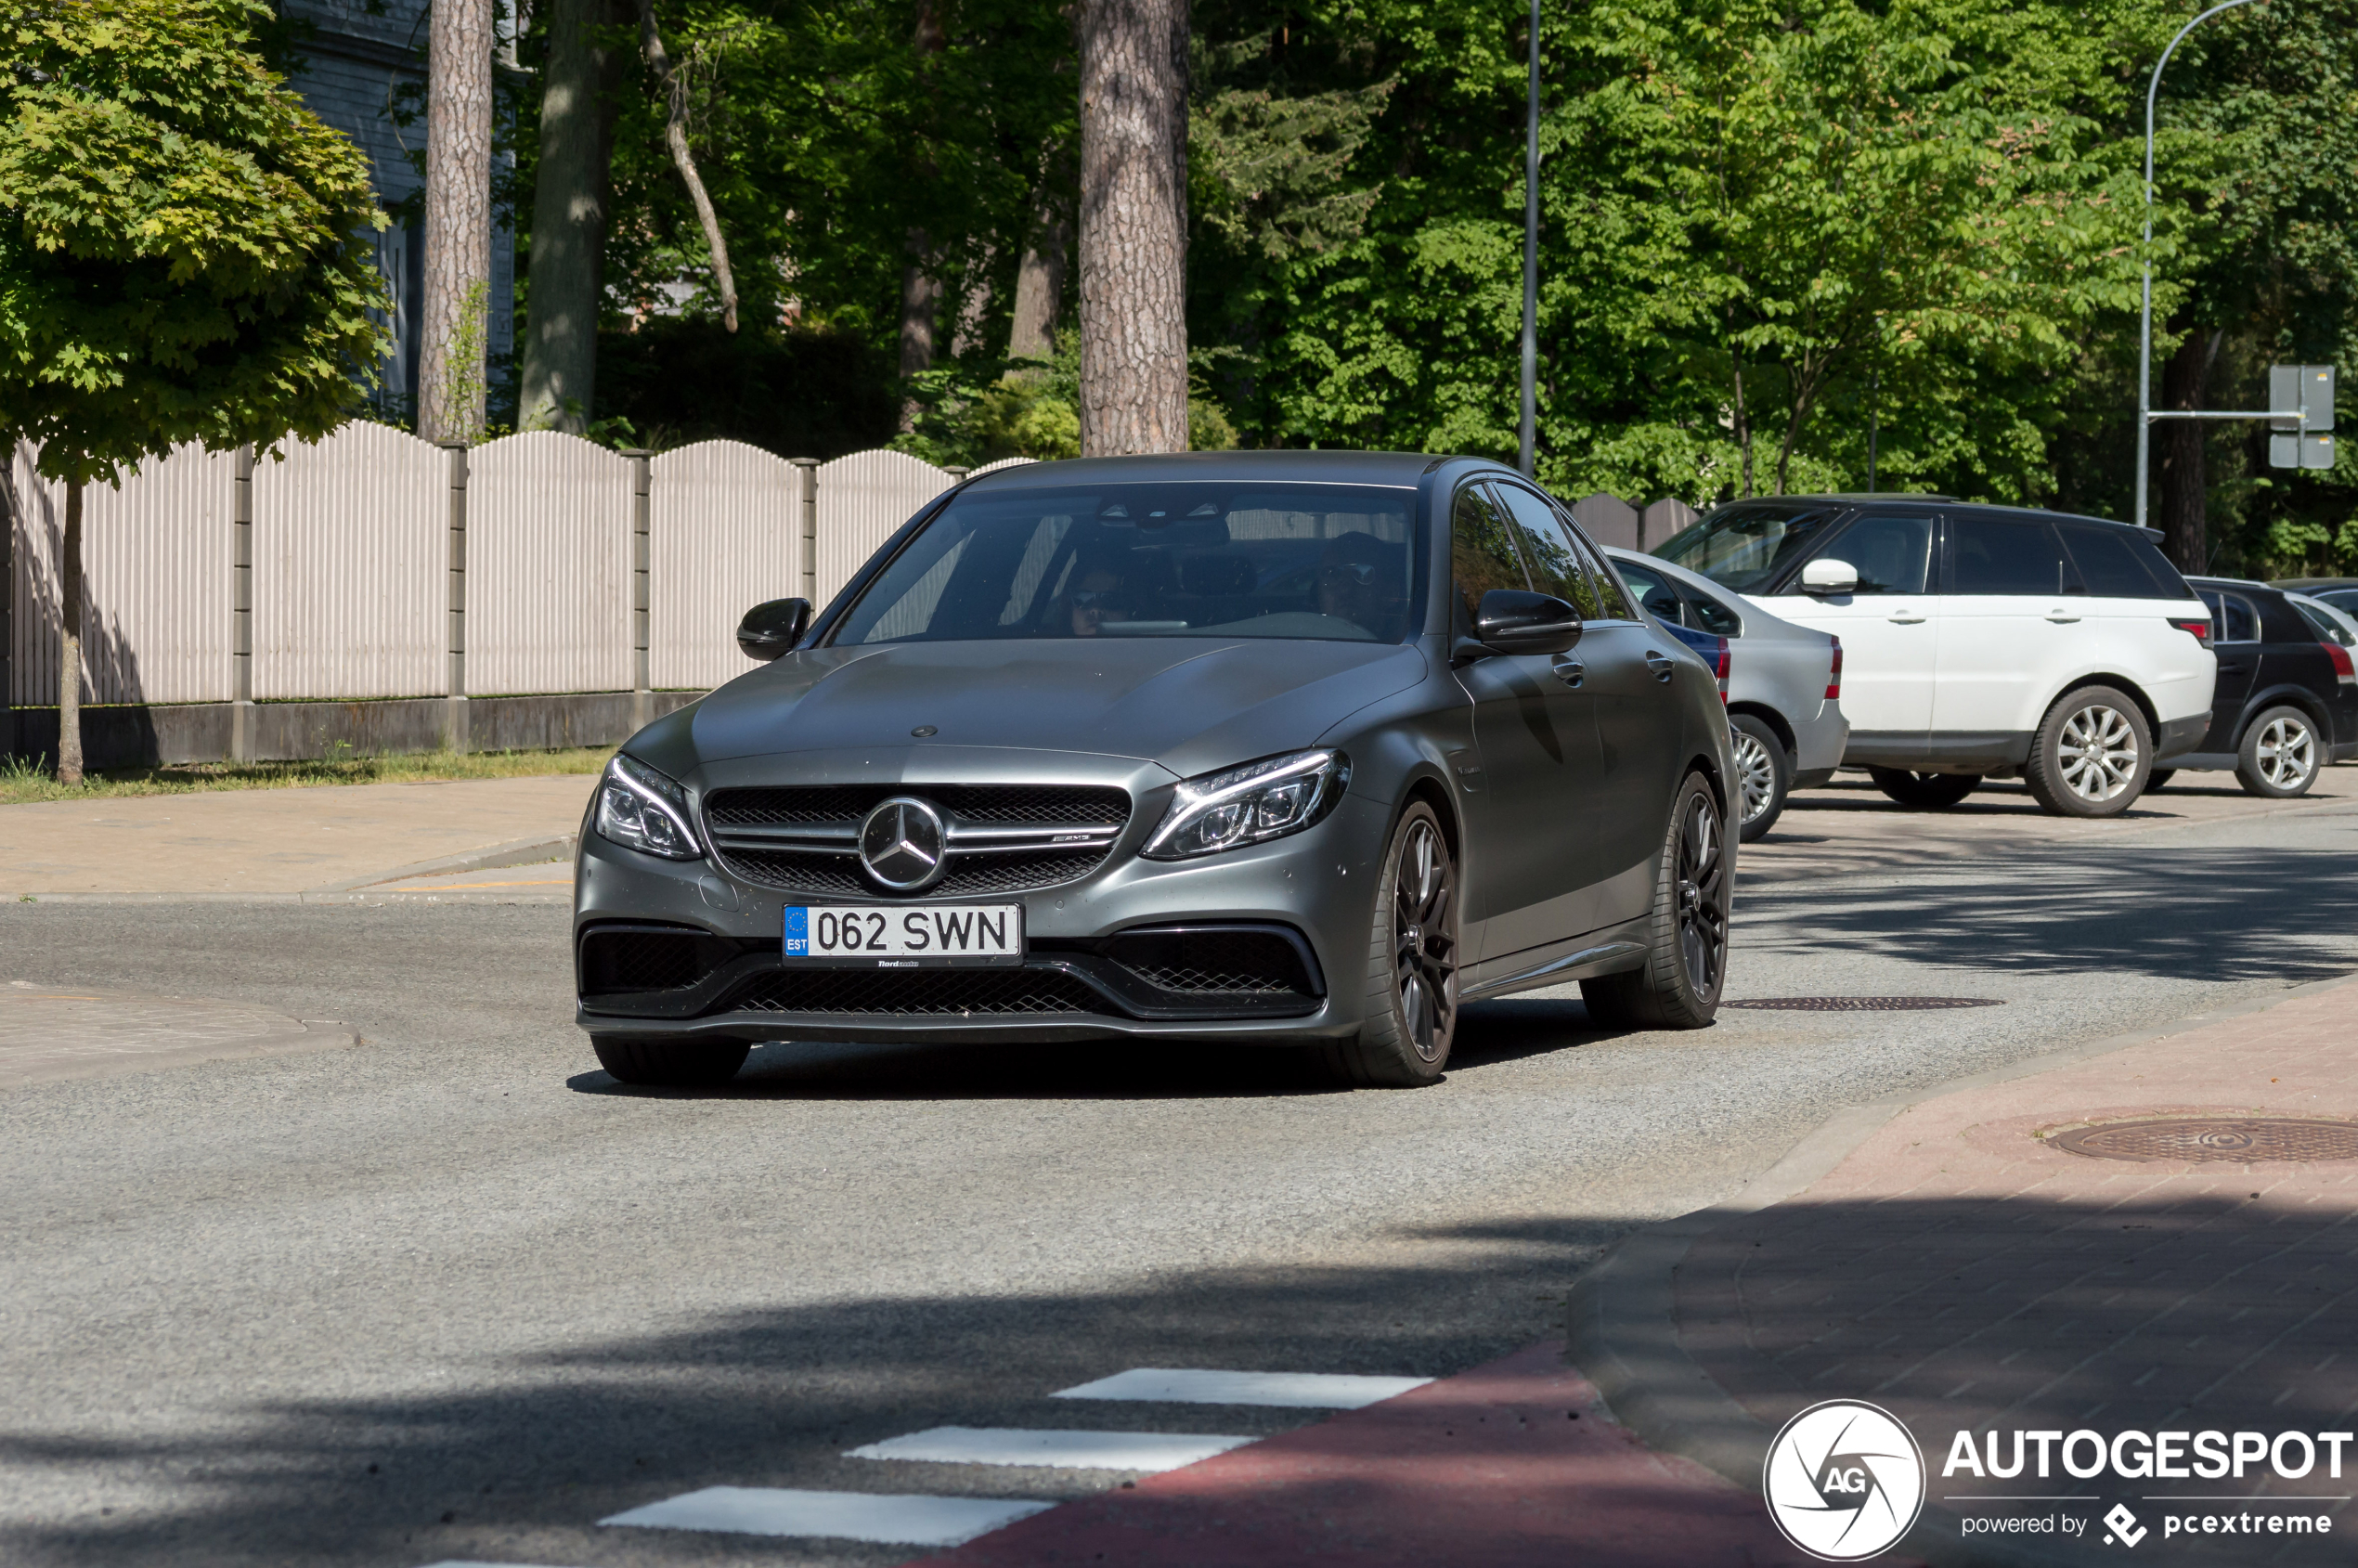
[[69, 640], [1040, 284], [2185, 487], [570, 199], [920, 300], [454, 335], [1133, 226]]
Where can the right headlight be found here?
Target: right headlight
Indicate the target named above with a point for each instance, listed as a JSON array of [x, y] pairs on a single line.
[[641, 809], [1249, 805]]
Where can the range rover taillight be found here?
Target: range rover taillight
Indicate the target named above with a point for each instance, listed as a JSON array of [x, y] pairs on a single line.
[[2344, 671], [1833, 675], [2198, 630]]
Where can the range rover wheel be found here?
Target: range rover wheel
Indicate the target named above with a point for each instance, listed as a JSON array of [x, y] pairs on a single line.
[[2278, 758], [2090, 755], [670, 1064], [1763, 769], [1924, 789], [1679, 985], [1412, 965]]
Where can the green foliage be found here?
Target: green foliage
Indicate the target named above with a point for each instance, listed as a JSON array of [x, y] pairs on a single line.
[[184, 247]]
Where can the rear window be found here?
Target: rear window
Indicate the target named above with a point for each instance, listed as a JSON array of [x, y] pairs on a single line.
[[2232, 617], [2113, 564]]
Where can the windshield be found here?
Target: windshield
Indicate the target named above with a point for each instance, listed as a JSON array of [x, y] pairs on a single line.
[[1744, 547], [1179, 559]]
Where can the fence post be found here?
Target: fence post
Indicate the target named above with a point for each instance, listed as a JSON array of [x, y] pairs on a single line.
[[241, 736], [642, 701], [8, 599], [455, 725], [806, 547]]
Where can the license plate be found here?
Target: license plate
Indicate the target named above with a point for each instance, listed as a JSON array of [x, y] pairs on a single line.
[[863, 936]]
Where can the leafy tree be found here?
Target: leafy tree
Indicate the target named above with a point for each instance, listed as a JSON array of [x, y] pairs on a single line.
[[184, 254]]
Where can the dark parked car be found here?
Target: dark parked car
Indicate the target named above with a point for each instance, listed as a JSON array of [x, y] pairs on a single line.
[[1290, 748], [2287, 703]]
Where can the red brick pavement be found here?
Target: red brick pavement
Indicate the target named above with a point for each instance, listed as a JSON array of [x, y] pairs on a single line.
[[1966, 1275]]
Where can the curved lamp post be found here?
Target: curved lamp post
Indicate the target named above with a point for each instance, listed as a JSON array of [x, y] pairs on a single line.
[[2145, 310]]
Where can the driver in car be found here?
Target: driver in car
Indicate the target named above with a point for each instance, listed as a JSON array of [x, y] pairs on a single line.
[[1358, 580], [1096, 595]]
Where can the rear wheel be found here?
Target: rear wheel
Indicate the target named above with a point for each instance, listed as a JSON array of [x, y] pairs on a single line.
[[1679, 985], [2089, 755], [1924, 789], [1412, 965], [2278, 758], [1764, 771], [670, 1064]]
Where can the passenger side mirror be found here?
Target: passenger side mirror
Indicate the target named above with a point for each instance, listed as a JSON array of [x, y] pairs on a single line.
[[1828, 576], [1512, 621], [772, 627]]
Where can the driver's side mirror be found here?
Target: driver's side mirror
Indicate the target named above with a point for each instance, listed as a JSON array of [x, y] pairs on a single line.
[[1828, 576], [1512, 621], [772, 627]]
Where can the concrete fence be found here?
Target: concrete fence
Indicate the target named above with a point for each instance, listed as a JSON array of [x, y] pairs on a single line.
[[380, 592]]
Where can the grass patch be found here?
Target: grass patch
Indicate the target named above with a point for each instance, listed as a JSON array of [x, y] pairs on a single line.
[[24, 780]]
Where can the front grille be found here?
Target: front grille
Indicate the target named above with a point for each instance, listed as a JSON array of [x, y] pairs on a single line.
[[1214, 962], [836, 809], [917, 993]]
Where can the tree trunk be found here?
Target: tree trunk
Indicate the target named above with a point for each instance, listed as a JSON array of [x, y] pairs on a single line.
[[1040, 284], [69, 640], [1133, 226], [920, 301], [570, 199], [2186, 494], [675, 136], [451, 386]]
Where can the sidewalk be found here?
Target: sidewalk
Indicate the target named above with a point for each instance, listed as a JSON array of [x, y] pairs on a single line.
[[331, 842], [1958, 1268]]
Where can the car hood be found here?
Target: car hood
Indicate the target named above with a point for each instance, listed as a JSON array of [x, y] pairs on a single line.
[[1189, 704]]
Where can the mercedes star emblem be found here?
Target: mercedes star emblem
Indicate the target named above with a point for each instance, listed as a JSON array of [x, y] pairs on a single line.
[[901, 844]]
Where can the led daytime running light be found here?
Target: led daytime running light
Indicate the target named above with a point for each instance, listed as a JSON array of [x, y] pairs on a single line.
[[640, 808], [1249, 805]]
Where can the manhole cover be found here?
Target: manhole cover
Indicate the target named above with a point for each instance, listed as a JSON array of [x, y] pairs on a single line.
[[2244, 1140], [1863, 1004]]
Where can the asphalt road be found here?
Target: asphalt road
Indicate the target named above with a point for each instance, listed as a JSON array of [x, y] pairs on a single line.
[[454, 1294]]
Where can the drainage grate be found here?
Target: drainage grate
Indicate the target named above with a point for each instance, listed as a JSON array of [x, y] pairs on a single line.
[[2246, 1140], [1863, 1004]]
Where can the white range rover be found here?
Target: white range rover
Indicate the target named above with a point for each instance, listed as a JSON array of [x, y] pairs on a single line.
[[1980, 641]]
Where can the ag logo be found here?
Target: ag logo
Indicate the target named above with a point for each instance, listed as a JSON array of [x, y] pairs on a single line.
[[1844, 1480]]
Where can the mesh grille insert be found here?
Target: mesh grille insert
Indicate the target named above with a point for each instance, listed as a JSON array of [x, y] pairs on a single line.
[[1048, 807], [1212, 962], [919, 992], [618, 962]]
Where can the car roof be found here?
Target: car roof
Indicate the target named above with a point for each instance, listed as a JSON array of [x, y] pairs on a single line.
[[1401, 468], [2245, 583], [1889, 498]]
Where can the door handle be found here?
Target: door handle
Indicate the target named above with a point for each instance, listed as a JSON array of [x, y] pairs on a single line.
[[1906, 617], [1571, 672], [1660, 663], [2062, 616]]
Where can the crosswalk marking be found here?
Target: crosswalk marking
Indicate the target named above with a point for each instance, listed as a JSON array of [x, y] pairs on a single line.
[[1311, 1390], [895, 1520], [1061, 1450]]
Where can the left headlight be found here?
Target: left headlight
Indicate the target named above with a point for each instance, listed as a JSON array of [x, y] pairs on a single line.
[[1249, 805], [640, 809]]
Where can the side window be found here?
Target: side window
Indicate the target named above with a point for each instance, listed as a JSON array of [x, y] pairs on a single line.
[[1713, 616], [1653, 591], [1481, 556], [1891, 552], [2005, 555], [2232, 618], [2108, 563], [1556, 563], [2327, 630], [1612, 603]]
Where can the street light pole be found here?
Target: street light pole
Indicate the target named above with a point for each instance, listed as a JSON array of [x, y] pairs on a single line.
[[1530, 262], [2145, 306]]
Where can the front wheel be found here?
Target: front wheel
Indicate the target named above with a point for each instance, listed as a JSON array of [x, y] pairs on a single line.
[[1679, 985], [2090, 755], [1412, 963], [1923, 790], [684, 1064], [1764, 771], [2278, 758]]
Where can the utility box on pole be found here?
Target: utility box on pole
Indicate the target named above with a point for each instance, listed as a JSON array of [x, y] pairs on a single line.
[[2301, 399]]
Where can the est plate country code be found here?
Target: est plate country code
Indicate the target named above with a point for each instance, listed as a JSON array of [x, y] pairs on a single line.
[[904, 938]]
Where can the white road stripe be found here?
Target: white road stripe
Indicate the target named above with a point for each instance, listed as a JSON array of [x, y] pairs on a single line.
[[1309, 1391], [894, 1519], [1061, 1450]]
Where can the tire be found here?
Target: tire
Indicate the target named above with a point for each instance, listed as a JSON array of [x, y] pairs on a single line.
[[1923, 790], [1679, 985], [2090, 755], [1764, 771], [684, 1064], [1412, 965], [2160, 777], [2279, 758]]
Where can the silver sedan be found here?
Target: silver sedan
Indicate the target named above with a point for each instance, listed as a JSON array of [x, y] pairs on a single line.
[[1784, 683]]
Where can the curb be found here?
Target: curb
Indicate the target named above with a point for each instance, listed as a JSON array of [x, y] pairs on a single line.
[[1623, 1311]]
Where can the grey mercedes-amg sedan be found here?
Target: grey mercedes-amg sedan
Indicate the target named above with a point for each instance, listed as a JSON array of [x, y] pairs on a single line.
[[1295, 748]]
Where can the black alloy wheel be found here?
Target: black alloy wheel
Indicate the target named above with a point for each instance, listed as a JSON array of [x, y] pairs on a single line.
[[1923, 791], [1677, 986], [1412, 971]]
